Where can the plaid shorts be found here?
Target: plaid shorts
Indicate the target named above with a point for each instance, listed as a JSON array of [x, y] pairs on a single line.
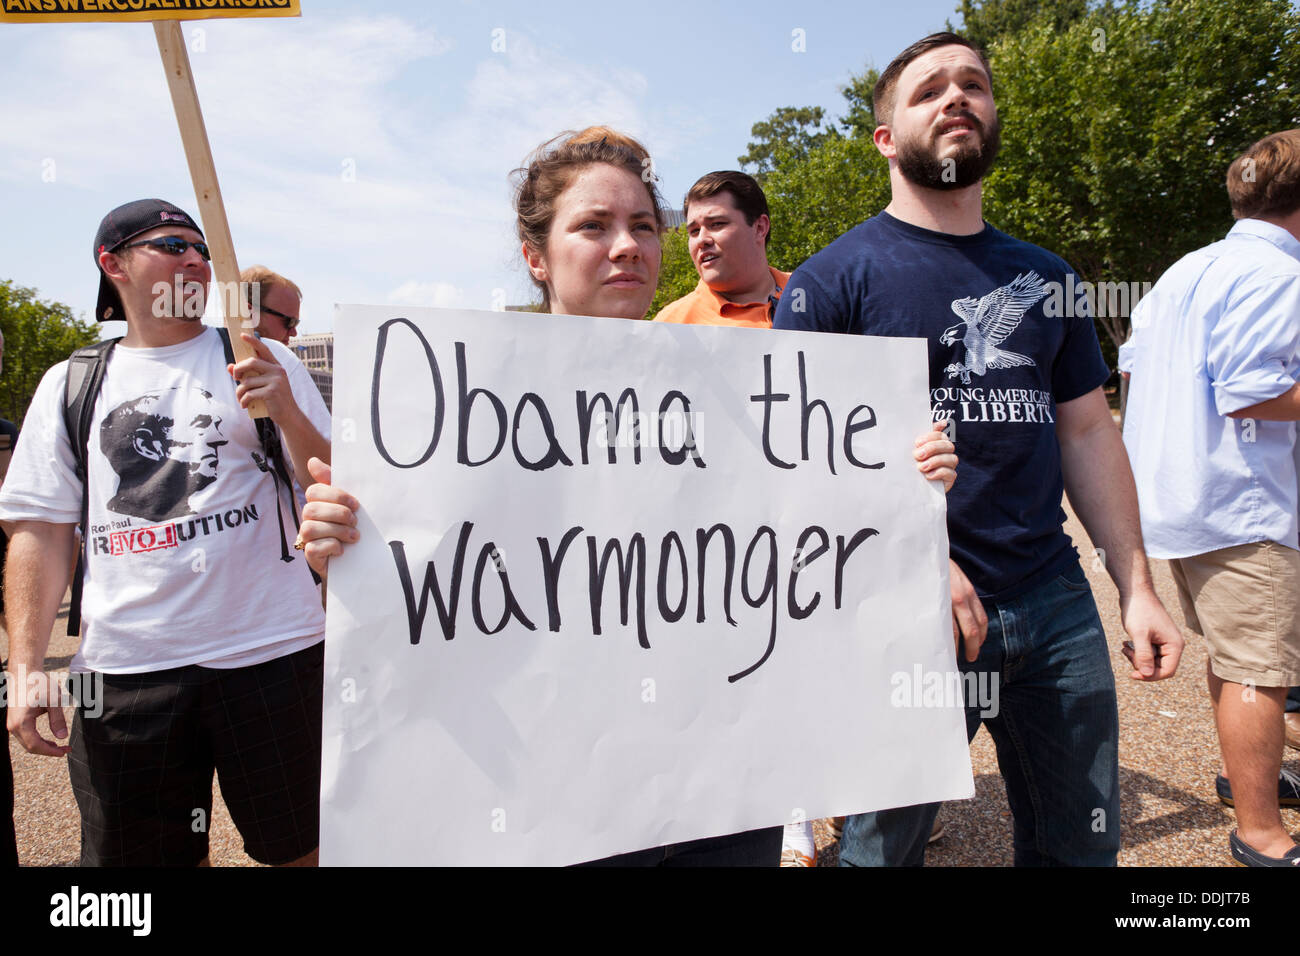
[[142, 770]]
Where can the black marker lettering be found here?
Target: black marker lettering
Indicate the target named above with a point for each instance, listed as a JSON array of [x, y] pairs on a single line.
[[702, 539], [767, 398], [671, 614], [678, 455], [380, 346], [851, 427], [613, 418], [511, 609], [465, 408], [842, 554], [446, 614], [769, 590], [551, 574], [804, 558], [554, 452], [635, 554], [806, 408]]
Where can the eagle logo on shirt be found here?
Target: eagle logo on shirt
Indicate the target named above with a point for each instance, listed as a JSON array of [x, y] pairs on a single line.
[[986, 323]]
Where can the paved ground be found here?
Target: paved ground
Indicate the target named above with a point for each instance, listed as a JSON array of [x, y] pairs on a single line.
[[1168, 759]]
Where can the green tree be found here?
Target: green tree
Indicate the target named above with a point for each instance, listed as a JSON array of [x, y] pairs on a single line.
[[1118, 130], [1119, 120], [788, 135], [819, 183], [37, 335], [812, 201], [985, 21], [860, 120], [840, 183], [677, 275]]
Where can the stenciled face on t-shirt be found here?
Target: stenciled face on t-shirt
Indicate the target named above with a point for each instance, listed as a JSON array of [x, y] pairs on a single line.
[[163, 447]]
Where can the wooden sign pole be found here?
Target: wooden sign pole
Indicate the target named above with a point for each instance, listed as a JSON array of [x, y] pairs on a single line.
[[198, 153]]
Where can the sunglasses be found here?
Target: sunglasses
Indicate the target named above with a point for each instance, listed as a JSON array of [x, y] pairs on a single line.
[[173, 245], [290, 321]]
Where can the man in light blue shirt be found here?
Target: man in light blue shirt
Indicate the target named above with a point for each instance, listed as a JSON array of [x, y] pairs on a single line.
[[1211, 432]]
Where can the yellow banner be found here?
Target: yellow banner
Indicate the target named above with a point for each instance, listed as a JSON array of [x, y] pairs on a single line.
[[62, 11]]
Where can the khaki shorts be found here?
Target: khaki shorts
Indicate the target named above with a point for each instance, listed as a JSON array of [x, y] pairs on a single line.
[[1245, 602]]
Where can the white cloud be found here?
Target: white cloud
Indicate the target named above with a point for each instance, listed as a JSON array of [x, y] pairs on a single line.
[[438, 295], [518, 99], [274, 94], [430, 131]]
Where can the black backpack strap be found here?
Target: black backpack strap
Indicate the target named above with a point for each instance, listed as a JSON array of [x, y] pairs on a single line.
[[272, 461], [225, 344], [267, 434], [85, 377]]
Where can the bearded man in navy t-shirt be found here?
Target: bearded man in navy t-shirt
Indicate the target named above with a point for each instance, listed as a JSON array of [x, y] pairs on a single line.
[[1015, 365]]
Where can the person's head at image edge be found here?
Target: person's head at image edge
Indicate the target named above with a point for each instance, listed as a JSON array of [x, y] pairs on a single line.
[[589, 221], [1264, 181]]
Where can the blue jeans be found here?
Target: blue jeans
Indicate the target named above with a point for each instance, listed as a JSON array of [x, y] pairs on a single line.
[[1056, 730]]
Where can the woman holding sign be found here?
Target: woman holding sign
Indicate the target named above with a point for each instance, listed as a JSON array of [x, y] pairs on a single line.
[[589, 219]]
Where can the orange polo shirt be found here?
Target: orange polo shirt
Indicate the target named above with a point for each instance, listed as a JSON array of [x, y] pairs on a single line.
[[703, 306]]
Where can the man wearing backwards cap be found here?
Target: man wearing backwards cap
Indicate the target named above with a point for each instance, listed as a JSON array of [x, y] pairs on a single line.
[[194, 669]]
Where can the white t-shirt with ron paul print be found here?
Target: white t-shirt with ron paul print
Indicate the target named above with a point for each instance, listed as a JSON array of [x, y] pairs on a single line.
[[184, 551]]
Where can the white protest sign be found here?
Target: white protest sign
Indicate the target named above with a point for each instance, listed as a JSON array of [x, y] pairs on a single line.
[[564, 635]]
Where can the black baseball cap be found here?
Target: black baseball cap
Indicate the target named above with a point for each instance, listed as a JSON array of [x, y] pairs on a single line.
[[127, 222]]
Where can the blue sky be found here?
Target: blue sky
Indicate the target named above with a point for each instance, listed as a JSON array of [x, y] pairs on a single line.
[[413, 99]]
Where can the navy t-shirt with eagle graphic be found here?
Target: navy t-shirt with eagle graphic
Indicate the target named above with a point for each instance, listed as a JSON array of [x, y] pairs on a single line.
[[1010, 337]]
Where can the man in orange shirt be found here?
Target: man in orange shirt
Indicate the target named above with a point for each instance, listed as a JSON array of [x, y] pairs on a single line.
[[728, 225]]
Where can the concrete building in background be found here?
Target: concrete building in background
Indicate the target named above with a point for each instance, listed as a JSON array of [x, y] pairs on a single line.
[[316, 351]]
